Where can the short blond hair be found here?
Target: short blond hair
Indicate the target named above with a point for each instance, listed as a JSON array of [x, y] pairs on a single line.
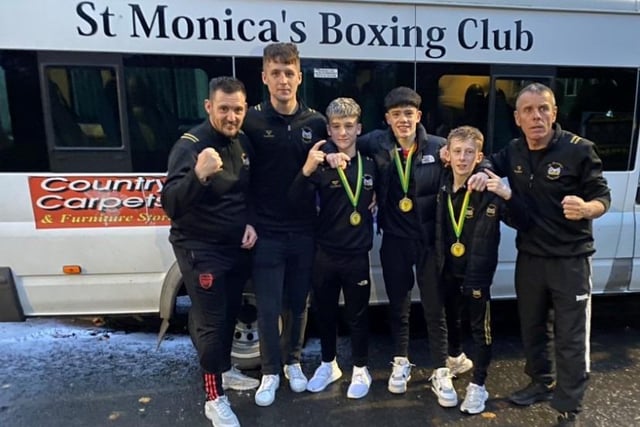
[[343, 107], [466, 133]]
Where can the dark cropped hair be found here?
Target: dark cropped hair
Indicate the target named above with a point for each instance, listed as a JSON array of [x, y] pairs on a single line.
[[285, 53], [227, 85], [402, 96]]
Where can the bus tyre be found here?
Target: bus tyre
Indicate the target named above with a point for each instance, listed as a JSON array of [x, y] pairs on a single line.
[[245, 348]]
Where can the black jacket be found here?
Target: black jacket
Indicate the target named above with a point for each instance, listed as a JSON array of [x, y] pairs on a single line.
[[216, 212], [480, 233], [568, 166], [424, 178], [334, 233], [281, 144]]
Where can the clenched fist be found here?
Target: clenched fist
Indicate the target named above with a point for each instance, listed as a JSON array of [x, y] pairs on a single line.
[[208, 164]]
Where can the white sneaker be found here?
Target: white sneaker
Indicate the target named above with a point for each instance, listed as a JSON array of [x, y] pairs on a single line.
[[442, 386], [360, 383], [297, 379], [266, 393], [475, 399], [325, 374], [220, 413], [459, 365], [235, 380], [400, 375]]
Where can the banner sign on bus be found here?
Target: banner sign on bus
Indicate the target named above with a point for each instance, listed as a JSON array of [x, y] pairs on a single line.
[[97, 201], [491, 32]]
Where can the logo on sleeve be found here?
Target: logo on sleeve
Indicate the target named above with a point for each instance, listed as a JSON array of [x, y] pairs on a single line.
[[206, 280]]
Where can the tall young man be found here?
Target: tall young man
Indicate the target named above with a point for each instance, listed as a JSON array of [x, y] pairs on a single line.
[[282, 130]]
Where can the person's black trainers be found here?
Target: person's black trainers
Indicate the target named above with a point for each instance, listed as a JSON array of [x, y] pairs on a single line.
[[534, 392], [568, 419]]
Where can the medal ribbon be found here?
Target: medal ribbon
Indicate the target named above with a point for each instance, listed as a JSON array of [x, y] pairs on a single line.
[[347, 188], [406, 172], [457, 225]]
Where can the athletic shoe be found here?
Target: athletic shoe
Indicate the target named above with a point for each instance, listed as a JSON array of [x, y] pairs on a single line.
[[220, 413], [442, 386], [475, 399], [459, 365], [532, 393], [266, 393], [400, 375], [360, 383], [297, 379], [325, 374], [235, 380]]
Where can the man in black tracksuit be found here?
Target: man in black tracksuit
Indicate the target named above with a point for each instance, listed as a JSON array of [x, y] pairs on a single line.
[[559, 176], [205, 195], [282, 130]]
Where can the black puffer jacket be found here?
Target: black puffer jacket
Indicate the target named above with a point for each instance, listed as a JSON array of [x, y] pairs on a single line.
[[481, 231], [425, 174]]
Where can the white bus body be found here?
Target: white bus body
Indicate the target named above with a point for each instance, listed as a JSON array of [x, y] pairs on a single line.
[[94, 93]]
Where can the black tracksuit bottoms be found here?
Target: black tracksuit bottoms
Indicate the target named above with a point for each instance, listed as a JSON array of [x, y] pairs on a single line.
[[477, 304], [398, 257], [349, 273], [554, 303]]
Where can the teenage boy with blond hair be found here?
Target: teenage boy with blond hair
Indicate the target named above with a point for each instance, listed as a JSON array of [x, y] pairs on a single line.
[[466, 250], [344, 237]]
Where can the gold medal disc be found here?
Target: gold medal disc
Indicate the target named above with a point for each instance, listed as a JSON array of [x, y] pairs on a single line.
[[457, 249], [355, 218], [405, 204]]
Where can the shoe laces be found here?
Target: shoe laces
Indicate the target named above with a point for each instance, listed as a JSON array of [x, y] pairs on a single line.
[[223, 407], [295, 372], [359, 378], [268, 382], [443, 380], [324, 371], [401, 369], [474, 394]]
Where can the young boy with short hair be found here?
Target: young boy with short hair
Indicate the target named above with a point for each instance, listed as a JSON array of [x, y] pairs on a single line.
[[466, 248], [344, 236]]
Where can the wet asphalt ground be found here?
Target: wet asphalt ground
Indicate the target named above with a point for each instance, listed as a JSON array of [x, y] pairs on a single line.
[[70, 372]]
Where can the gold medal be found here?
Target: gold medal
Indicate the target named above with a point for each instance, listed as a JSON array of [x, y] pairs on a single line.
[[405, 204], [355, 218], [457, 249]]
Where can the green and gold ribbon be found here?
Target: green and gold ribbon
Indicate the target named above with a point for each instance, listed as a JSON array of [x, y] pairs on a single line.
[[457, 225], [353, 198]]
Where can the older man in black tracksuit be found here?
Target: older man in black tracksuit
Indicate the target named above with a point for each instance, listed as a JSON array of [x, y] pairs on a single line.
[[559, 175], [205, 195]]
